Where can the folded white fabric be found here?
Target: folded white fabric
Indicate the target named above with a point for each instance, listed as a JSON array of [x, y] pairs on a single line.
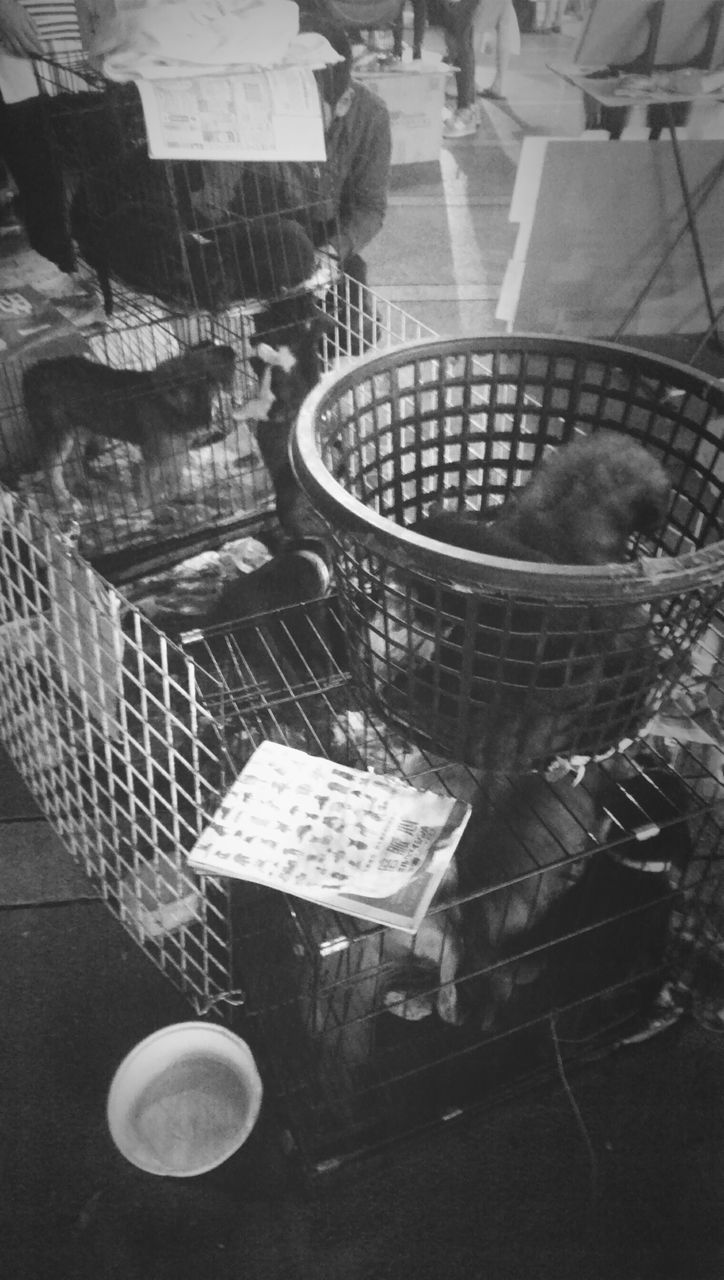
[[158, 39]]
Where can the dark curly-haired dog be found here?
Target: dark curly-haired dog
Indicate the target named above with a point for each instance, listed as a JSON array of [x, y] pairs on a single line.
[[551, 676], [582, 505]]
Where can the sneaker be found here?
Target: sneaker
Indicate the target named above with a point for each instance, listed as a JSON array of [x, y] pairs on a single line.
[[462, 124]]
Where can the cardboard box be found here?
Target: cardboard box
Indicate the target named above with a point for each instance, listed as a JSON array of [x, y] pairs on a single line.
[[414, 95]]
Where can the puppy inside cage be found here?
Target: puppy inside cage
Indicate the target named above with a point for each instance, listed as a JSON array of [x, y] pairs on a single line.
[[207, 233], [565, 898], [131, 433]]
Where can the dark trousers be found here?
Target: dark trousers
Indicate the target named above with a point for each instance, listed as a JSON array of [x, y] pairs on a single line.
[[419, 22], [614, 119], [27, 153], [353, 308]]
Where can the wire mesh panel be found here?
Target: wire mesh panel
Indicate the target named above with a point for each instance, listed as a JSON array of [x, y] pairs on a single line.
[[103, 719], [569, 908], [197, 234], [507, 657]]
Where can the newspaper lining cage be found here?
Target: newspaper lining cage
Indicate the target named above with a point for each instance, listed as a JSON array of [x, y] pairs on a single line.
[[499, 662], [128, 743]]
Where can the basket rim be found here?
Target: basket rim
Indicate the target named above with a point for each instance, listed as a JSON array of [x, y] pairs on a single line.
[[644, 579]]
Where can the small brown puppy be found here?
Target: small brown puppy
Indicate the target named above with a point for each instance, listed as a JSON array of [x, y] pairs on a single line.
[[74, 403]]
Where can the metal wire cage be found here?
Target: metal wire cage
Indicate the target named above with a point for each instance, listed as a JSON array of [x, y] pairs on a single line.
[[212, 478], [193, 234], [581, 916], [84, 441], [506, 663]]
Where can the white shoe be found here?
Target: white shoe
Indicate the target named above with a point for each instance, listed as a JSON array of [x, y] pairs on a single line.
[[462, 124]]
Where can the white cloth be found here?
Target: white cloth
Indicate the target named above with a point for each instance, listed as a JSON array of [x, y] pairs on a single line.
[[501, 20], [161, 39]]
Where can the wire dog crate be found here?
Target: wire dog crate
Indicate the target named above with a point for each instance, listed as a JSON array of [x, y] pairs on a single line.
[[577, 919], [500, 662], [195, 234]]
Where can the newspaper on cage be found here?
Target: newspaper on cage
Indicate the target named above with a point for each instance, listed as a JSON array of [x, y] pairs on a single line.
[[245, 115], [361, 843]]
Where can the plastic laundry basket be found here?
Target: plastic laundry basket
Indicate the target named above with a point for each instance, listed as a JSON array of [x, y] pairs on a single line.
[[502, 663]]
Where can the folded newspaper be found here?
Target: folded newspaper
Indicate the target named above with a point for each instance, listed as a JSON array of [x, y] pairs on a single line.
[[361, 843]]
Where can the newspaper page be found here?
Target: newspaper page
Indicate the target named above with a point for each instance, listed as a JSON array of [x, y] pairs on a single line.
[[246, 115], [357, 842]]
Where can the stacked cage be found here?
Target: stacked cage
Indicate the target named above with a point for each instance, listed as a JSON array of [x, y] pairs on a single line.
[[102, 717], [573, 903], [192, 234], [504, 660]]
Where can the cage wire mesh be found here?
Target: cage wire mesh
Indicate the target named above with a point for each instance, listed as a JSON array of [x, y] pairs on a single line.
[[579, 904], [102, 717], [127, 741], [503, 663]]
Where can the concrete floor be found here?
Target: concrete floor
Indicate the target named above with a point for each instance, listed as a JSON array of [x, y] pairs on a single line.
[[452, 216], [629, 1190]]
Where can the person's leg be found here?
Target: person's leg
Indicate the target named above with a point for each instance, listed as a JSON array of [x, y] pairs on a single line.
[[554, 15]]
